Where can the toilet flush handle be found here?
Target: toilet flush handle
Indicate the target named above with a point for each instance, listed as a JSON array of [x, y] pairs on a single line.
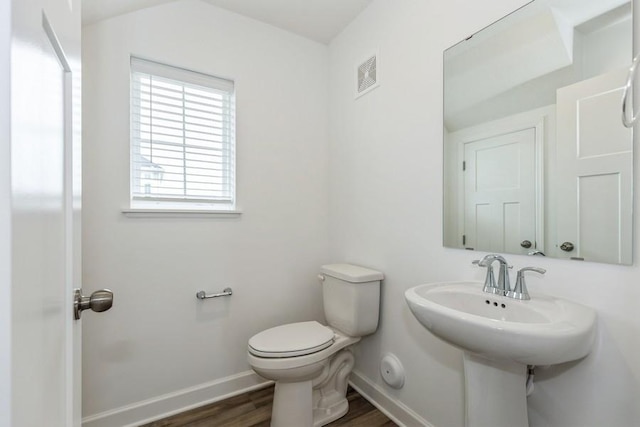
[[321, 278]]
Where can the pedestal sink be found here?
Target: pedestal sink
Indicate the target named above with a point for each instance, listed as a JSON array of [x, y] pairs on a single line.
[[500, 336]]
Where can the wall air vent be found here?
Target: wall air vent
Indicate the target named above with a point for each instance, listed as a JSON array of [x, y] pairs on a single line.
[[367, 76]]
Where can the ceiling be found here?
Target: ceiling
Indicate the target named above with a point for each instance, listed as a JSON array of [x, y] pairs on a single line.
[[319, 20]]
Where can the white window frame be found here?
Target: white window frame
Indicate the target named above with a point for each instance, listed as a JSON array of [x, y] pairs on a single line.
[[222, 202]]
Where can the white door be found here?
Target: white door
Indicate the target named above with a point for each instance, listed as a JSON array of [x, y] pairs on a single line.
[[44, 187], [595, 164], [500, 193]]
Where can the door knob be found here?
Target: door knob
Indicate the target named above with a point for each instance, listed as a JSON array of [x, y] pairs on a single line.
[[525, 244], [99, 301], [567, 246]]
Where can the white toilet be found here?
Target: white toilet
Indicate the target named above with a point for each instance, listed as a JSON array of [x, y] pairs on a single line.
[[311, 363]]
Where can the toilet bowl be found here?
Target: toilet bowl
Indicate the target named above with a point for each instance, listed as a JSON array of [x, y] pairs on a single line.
[[310, 385], [311, 363]]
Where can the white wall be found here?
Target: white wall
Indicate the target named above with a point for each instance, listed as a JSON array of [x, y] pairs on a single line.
[[607, 49], [386, 200], [158, 338]]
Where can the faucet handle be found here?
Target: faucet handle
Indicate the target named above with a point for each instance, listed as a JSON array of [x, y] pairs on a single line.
[[478, 262], [520, 289], [489, 280], [536, 269]]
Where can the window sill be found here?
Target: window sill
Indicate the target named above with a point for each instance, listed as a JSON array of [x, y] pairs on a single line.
[[180, 213]]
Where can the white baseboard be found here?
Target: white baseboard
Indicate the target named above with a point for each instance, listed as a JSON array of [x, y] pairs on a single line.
[[173, 403], [397, 411]]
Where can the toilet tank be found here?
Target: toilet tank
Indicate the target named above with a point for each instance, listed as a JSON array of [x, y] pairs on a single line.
[[351, 296]]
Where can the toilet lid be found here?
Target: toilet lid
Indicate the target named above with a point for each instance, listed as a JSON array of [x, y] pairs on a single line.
[[294, 339]]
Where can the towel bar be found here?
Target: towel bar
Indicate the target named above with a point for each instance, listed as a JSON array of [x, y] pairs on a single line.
[[225, 293]]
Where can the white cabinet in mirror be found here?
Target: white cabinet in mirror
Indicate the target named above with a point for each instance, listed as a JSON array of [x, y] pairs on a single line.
[[537, 159]]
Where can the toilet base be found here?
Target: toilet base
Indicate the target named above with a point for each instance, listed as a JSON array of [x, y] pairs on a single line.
[[323, 416], [330, 389], [311, 402], [291, 403]]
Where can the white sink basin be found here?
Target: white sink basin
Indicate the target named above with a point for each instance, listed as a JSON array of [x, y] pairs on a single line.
[[542, 331]]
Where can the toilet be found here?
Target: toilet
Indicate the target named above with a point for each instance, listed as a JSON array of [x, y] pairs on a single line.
[[311, 363]]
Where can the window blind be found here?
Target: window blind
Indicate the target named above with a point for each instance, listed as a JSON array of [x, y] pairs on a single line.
[[182, 136]]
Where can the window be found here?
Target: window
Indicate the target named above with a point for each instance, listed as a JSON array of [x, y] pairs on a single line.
[[182, 139]]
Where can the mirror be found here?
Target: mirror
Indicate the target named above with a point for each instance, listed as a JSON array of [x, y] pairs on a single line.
[[536, 158]]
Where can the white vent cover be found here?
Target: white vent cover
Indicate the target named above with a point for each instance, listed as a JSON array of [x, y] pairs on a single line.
[[367, 76]]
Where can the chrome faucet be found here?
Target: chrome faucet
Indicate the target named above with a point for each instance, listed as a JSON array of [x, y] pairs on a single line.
[[520, 289], [503, 286]]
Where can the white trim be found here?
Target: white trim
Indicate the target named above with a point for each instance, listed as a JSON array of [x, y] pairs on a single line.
[[173, 72], [6, 398], [179, 213], [176, 402], [397, 411]]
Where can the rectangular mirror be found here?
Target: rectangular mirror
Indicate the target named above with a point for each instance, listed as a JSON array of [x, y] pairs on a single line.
[[536, 158]]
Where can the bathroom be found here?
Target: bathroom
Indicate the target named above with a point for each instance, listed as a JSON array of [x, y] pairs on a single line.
[[322, 177]]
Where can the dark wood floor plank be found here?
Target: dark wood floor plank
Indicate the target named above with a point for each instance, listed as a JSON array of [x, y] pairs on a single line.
[[222, 410], [262, 397], [246, 419], [253, 409]]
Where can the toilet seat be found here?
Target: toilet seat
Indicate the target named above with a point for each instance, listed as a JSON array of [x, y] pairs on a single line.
[[291, 340]]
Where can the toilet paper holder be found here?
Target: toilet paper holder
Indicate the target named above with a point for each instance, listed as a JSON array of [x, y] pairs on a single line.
[[225, 293]]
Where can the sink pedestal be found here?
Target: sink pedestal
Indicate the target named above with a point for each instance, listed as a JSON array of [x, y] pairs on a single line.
[[496, 394]]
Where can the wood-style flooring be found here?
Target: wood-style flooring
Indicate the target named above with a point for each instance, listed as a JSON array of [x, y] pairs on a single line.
[[253, 409]]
